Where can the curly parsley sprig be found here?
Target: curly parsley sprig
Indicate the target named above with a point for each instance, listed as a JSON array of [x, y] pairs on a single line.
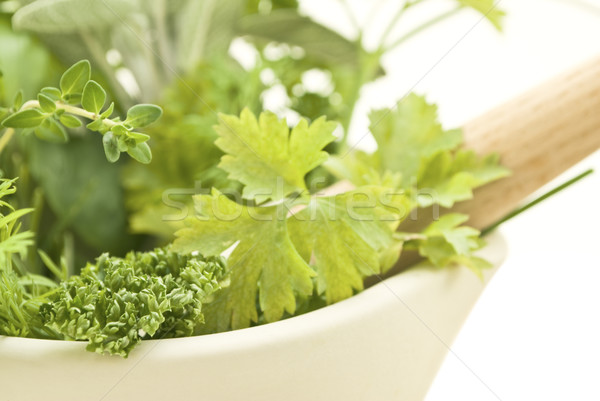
[[116, 302]]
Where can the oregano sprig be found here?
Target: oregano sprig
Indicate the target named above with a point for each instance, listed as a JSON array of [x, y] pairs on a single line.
[[77, 97]]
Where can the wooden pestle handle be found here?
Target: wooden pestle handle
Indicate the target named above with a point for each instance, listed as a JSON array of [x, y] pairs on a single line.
[[538, 135]]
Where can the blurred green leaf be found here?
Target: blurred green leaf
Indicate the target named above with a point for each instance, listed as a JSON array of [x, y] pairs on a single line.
[[254, 6], [83, 190], [141, 152], [50, 130], [205, 28], [287, 26], [29, 118], [26, 64], [56, 16], [18, 100], [70, 121]]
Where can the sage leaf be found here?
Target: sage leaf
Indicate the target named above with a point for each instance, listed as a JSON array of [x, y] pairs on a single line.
[[68, 16]]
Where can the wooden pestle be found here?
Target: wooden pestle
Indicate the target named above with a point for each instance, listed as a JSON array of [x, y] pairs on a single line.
[[538, 135]]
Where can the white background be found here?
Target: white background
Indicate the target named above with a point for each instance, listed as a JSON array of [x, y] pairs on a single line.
[[535, 333]]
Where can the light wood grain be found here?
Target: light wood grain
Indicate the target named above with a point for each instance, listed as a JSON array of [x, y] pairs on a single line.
[[538, 135]]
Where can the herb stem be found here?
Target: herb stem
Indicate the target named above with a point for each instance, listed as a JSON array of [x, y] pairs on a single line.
[[71, 110], [531, 204], [82, 113], [388, 30], [351, 16], [31, 104], [423, 27]]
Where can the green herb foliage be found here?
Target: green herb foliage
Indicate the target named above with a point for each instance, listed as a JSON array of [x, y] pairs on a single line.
[[228, 180], [57, 108], [21, 294], [325, 246], [115, 303]]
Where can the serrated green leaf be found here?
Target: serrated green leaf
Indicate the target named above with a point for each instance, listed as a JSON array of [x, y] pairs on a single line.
[[70, 121], [52, 93], [46, 104], [50, 130], [111, 147], [476, 264], [29, 118], [344, 235], [265, 266], [361, 169], [189, 161], [93, 98], [269, 160], [445, 179], [462, 239], [142, 115], [447, 242], [408, 134], [140, 152], [74, 79]]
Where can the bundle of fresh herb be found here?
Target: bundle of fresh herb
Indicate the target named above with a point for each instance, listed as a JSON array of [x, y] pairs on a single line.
[[246, 183], [117, 302]]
